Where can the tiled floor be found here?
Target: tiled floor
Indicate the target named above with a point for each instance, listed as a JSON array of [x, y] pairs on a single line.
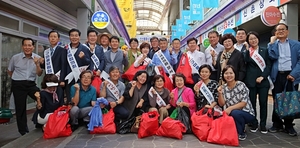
[[80, 138]]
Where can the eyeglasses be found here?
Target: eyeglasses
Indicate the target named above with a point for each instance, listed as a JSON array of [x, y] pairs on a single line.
[[282, 29]]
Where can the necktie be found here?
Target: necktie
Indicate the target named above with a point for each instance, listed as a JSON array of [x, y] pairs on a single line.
[[51, 51]]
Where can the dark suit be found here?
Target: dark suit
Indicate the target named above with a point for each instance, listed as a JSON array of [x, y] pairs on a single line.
[[236, 60], [100, 54], [262, 89], [59, 62], [119, 60], [85, 61]]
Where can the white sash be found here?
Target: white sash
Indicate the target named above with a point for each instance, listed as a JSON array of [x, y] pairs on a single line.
[[75, 70], [165, 62], [193, 63], [208, 95], [110, 86], [259, 60], [159, 101], [48, 63], [94, 58]]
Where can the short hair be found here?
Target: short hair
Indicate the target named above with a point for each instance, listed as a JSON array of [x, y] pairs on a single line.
[[54, 31], [241, 29], [176, 39], [192, 39], [74, 30], [163, 39], [156, 77], [287, 27], [225, 69], [153, 38], [49, 78], [205, 66], [87, 71], [180, 75], [253, 33], [114, 37], [138, 73], [144, 44], [90, 31], [112, 68], [26, 39], [213, 32], [228, 36], [133, 39]]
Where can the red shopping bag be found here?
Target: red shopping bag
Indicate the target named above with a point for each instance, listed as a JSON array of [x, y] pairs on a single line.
[[185, 68], [57, 124], [171, 128], [149, 124], [108, 124], [168, 82], [201, 123], [130, 72], [97, 83], [223, 131]]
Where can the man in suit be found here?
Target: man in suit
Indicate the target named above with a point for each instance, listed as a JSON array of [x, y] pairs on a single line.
[[285, 56], [241, 44], [97, 61], [115, 56], [78, 57], [55, 61]]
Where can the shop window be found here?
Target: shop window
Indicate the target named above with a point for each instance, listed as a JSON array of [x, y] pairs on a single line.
[[9, 22], [27, 28]]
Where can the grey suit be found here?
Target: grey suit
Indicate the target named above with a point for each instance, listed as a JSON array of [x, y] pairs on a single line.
[[118, 61]]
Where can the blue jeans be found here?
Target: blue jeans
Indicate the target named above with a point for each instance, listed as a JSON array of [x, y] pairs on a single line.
[[241, 118]]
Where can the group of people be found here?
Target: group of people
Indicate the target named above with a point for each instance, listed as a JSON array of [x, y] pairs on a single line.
[[230, 74]]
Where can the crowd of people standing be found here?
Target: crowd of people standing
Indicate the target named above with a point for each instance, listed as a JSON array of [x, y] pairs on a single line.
[[229, 68]]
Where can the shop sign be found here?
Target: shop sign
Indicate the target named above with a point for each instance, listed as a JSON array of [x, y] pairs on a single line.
[[256, 8], [206, 43], [229, 23], [100, 19], [271, 16]]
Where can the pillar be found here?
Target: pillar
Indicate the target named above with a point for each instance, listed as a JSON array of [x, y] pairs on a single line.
[[83, 22], [291, 19]]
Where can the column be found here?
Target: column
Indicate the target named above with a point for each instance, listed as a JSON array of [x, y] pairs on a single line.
[[291, 19], [83, 22]]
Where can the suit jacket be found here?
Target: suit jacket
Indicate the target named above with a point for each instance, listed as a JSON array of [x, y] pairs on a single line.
[[253, 70], [187, 97], [59, 62], [295, 57], [119, 60], [237, 61], [85, 61], [100, 54]]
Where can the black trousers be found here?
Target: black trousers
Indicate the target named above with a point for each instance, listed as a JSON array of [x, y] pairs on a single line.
[[263, 103], [22, 89], [279, 85]]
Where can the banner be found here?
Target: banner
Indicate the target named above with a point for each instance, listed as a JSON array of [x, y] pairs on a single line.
[[210, 3], [186, 16], [196, 9]]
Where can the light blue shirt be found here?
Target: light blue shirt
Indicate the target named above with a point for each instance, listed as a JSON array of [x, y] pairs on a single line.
[[23, 68], [156, 61], [284, 60]]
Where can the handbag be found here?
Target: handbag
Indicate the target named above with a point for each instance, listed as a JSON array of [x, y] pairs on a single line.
[[149, 124], [201, 123], [5, 115], [223, 131], [185, 68], [57, 124], [97, 83], [171, 128], [108, 125], [125, 126], [136, 125], [287, 104], [184, 118], [168, 82], [130, 72]]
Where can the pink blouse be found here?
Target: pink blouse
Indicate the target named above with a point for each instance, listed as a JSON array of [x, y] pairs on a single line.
[[187, 97]]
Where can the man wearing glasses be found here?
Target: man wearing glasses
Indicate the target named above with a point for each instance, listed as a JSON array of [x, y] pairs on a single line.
[[284, 53]]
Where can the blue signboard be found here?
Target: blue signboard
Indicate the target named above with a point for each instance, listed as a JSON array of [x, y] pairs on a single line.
[[100, 19]]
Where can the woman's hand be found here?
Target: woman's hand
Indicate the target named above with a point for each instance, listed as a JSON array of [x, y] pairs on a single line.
[[112, 104], [139, 105], [172, 95], [220, 90], [208, 106], [168, 106], [133, 83], [182, 104], [259, 79], [228, 110], [153, 91]]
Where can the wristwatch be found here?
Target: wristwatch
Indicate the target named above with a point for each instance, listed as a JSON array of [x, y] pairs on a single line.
[[117, 102]]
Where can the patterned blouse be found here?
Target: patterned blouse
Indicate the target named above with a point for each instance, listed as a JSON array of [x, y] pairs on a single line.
[[201, 101], [239, 93]]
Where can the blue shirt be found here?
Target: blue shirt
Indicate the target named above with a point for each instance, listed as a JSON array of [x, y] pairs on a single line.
[[284, 60], [156, 61], [85, 96]]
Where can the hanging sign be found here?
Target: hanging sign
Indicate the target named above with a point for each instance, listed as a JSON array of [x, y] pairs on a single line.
[[100, 19], [271, 16]]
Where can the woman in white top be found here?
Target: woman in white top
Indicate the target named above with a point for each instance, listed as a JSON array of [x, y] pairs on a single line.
[[143, 59]]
